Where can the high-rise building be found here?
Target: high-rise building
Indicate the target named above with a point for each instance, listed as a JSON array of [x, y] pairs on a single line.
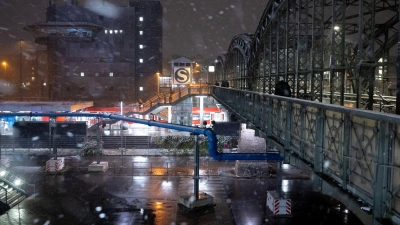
[[102, 52]]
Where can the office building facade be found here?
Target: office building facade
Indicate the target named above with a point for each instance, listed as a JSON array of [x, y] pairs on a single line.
[[101, 52]]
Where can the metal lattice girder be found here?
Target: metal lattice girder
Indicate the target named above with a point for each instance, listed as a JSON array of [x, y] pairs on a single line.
[[337, 70], [365, 51], [398, 69], [317, 51], [319, 47], [281, 45], [291, 43], [267, 57], [302, 48], [274, 53]]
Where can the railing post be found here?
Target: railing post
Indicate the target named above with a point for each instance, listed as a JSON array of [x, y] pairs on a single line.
[[151, 167], [381, 196], [270, 118], [55, 139], [98, 142], [288, 130], [346, 150], [319, 140]]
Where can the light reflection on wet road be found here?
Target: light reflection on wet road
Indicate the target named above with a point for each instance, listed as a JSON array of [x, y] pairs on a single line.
[[148, 193]]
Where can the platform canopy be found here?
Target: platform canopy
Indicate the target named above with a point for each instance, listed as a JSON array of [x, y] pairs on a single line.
[[44, 106]]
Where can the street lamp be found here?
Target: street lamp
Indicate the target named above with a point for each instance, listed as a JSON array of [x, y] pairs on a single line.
[[20, 70], [158, 82], [4, 63]]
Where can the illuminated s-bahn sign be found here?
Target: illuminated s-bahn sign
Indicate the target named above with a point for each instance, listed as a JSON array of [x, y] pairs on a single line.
[[181, 75]]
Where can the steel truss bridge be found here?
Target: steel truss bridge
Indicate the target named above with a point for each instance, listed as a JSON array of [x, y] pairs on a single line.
[[338, 52], [333, 54]]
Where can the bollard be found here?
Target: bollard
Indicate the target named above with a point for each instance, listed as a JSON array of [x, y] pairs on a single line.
[[208, 171], [151, 167], [114, 167], [132, 168], [167, 168]]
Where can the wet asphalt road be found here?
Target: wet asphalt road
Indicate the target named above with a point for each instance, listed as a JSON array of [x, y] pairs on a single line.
[[145, 190]]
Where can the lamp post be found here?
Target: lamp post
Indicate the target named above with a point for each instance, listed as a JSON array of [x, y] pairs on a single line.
[[158, 83], [4, 63], [20, 70]]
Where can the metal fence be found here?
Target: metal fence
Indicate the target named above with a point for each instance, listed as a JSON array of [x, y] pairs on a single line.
[[356, 149]]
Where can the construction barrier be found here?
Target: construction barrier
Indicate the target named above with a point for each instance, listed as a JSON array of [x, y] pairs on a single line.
[[278, 206], [55, 165], [5, 161]]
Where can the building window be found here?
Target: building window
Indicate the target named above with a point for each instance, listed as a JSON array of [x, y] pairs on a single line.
[[82, 74], [141, 32], [141, 18], [120, 31], [141, 46], [96, 74], [165, 81], [111, 31], [111, 74], [116, 31], [141, 60], [140, 88], [106, 31]]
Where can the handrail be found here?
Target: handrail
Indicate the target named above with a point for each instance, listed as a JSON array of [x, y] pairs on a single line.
[[210, 134], [169, 98], [5, 189]]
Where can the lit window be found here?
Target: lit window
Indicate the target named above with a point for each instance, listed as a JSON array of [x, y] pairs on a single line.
[[120, 31], [111, 74], [44, 84], [111, 31], [141, 46], [141, 60], [33, 78], [82, 74], [106, 31], [141, 18], [96, 74], [141, 32], [140, 88], [116, 31]]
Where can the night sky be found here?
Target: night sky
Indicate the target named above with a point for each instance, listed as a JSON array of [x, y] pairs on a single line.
[[203, 27]]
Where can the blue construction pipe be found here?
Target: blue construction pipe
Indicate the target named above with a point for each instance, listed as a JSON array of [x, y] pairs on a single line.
[[209, 133]]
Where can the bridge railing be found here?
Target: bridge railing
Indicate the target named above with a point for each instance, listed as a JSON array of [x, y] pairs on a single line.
[[164, 99], [358, 149]]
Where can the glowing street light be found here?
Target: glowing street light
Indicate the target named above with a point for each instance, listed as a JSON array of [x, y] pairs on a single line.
[[17, 182], [4, 63]]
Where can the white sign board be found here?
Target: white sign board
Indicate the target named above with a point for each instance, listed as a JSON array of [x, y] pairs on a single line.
[[181, 75]]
